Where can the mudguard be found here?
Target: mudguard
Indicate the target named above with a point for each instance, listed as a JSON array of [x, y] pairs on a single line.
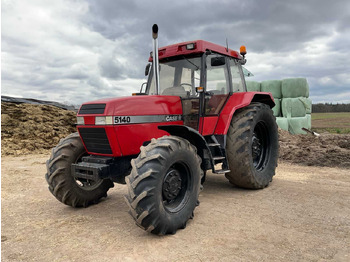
[[237, 101]]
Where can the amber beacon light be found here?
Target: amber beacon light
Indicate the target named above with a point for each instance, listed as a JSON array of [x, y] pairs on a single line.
[[242, 50]]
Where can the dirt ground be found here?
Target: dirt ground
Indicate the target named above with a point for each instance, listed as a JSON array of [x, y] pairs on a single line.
[[304, 215]]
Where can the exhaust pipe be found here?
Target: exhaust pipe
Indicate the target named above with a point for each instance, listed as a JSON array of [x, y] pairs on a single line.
[[155, 57]]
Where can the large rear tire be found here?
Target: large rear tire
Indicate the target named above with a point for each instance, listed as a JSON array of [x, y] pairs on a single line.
[[63, 185], [252, 147], [164, 185]]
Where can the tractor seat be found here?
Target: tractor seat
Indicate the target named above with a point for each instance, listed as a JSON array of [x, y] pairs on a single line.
[[175, 91]]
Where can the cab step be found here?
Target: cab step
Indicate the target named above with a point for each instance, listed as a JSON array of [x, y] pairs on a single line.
[[222, 171], [216, 158]]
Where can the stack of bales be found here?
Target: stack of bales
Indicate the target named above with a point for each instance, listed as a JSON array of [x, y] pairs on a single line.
[[293, 106]]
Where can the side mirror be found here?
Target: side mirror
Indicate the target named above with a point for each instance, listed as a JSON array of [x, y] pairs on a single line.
[[218, 61], [147, 69]]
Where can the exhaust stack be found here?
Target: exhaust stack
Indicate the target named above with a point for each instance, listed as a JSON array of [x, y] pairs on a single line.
[[155, 57]]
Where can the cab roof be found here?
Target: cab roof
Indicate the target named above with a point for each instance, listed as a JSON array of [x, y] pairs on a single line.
[[199, 46]]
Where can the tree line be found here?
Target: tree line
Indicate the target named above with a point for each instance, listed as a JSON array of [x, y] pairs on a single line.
[[330, 108]]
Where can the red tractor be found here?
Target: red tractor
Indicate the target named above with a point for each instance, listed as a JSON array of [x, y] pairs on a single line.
[[193, 115]]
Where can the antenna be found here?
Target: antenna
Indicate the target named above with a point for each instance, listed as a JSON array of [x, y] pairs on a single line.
[[226, 45]]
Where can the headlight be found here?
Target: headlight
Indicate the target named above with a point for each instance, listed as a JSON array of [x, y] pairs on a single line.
[[80, 120], [103, 120]]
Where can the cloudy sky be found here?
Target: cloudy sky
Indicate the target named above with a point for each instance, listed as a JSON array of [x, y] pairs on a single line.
[[79, 50]]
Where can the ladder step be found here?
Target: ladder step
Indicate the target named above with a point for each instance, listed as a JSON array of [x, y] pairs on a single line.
[[222, 171], [213, 144], [218, 158]]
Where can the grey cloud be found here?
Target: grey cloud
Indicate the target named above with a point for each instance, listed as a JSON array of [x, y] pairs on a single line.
[[90, 48]]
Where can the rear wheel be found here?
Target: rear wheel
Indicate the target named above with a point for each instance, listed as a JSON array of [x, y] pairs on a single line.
[[164, 185], [62, 183], [252, 147]]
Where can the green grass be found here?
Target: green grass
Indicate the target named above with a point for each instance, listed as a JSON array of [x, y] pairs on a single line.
[[336, 123], [316, 116], [332, 130]]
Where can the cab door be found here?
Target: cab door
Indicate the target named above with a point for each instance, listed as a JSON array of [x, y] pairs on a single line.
[[217, 91]]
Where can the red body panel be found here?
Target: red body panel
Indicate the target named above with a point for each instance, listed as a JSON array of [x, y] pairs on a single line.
[[200, 47], [209, 124], [236, 101], [140, 105], [131, 137], [127, 139]]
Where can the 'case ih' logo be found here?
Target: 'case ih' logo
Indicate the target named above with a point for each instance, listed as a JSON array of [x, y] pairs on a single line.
[[172, 118]]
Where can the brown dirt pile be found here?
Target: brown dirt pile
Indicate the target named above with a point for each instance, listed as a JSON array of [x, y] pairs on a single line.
[[332, 150], [28, 129]]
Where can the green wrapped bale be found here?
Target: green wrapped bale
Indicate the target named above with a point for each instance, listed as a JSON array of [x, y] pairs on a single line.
[[308, 104], [294, 107], [253, 86], [277, 108], [295, 125], [282, 123], [272, 86], [308, 116], [295, 87]]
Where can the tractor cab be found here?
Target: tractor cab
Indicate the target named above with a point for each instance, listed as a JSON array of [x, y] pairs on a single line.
[[202, 74]]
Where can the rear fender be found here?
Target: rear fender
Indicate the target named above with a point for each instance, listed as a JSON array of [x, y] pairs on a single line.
[[237, 101]]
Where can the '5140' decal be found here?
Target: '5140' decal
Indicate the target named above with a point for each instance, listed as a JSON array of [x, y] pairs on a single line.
[[120, 120]]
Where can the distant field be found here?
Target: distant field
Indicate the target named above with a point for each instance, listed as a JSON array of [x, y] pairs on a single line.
[[331, 122]]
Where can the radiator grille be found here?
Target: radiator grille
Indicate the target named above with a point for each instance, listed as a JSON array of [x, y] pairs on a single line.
[[95, 140], [92, 109]]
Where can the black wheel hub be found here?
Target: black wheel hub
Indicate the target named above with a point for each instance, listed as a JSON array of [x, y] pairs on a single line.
[[171, 185], [176, 187], [260, 146], [256, 146]]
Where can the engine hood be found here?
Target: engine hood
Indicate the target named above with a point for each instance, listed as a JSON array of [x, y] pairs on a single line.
[[133, 106]]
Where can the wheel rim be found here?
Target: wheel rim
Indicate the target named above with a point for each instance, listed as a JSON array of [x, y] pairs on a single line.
[[260, 146], [86, 184], [176, 187]]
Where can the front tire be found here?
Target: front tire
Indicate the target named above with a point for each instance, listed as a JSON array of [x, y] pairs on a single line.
[[252, 147], [164, 185], [63, 185]]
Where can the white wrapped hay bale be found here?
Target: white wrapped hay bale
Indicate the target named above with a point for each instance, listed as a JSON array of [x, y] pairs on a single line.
[[294, 107], [282, 123], [253, 86], [295, 87], [277, 108], [273, 87]]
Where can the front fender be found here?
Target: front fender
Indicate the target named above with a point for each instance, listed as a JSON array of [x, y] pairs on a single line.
[[192, 135]]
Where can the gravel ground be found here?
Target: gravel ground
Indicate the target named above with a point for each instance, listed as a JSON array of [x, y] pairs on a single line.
[[304, 215]]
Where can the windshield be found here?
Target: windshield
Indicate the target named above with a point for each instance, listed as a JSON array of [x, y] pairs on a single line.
[[177, 78]]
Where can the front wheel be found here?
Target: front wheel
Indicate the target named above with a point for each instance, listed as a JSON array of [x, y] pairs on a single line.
[[252, 147], [164, 184], [75, 192]]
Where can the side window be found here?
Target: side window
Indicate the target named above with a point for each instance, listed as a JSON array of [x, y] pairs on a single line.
[[216, 76], [237, 83]]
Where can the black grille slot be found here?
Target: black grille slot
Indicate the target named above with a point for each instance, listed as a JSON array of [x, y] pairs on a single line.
[[95, 140], [92, 109]]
